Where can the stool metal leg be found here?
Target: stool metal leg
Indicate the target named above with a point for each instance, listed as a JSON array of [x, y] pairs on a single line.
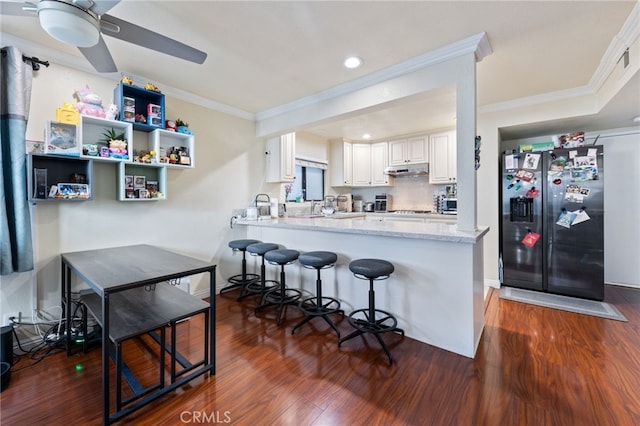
[[241, 280], [372, 325], [318, 308]]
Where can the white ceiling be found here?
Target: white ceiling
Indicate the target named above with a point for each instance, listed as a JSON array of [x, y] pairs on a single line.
[[262, 55]]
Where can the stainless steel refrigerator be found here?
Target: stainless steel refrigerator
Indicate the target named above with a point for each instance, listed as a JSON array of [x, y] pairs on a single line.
[[551, 231]]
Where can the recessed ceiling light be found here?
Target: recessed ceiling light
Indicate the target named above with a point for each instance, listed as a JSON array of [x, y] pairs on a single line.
[[352, 62], [366, 136]]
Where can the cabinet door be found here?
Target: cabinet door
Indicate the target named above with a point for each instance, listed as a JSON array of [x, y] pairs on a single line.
[[288, 157], [417, 151], [379, 161], [361, 164], [281, 163], [341, 164], [397, 152], [442, 167]]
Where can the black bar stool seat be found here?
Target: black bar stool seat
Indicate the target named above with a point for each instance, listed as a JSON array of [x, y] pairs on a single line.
[[243, 279], [280, 296], [261, 285], [372, 320], [318, 305]]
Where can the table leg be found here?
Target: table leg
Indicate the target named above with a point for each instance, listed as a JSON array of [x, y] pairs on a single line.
[[66, 296], [105, 359], [212, 320]]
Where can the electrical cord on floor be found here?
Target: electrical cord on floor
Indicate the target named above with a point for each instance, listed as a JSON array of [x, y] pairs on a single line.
[[53, 340]]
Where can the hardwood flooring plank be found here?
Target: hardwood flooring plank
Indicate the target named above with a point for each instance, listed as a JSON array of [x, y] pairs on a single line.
[[534, 366]]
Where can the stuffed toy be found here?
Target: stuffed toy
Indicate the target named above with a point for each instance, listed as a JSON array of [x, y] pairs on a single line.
[[112, 112], [89, 103], [118, 149]]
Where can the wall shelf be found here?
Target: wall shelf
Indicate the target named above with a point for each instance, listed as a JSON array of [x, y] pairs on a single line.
[[133, 100], [131, 182], [54, 170]]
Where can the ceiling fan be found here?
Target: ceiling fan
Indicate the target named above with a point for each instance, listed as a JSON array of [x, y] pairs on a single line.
[[81, 23]]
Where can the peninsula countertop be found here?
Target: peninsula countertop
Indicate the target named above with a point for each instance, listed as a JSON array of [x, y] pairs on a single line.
[[353, 223]]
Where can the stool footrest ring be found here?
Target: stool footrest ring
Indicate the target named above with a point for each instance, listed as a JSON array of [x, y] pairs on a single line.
[[329, 306]]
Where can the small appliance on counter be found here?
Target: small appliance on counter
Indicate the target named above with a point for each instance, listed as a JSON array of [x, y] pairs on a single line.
[[344, 203], [443, 204], [382, 203], [368, 207], [263, 204], [358, 205]]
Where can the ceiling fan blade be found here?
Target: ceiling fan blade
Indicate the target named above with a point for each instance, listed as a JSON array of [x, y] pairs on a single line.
[[103, 6], [17, 8], [131, 33], [99, 56]]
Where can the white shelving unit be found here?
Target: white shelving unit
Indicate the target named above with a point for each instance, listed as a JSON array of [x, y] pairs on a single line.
[[92, 132], [130, 174], [164, 141]]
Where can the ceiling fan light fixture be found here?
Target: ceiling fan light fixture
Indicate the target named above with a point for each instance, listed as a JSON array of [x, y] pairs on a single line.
[[69, 24]]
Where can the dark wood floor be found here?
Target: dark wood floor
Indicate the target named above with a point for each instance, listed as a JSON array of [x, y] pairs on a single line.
[[534, 366]]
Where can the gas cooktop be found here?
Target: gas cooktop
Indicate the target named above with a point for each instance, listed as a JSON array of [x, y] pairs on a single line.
[[409, 211]]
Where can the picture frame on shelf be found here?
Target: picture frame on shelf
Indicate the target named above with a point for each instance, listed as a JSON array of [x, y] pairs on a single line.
[[62, 139], [128, 182], [143, 193], [140, 182]]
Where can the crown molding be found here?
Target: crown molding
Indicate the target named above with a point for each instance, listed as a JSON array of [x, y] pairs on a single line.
[[537, 99], [477, 44], [80, 64], [627, 35]]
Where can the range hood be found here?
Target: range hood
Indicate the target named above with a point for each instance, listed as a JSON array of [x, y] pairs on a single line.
[[408, 170]]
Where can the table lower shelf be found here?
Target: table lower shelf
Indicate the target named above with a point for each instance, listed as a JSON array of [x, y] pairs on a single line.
[[143, 309]]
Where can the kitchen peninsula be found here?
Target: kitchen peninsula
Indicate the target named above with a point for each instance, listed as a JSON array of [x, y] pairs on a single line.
[[436, 291]]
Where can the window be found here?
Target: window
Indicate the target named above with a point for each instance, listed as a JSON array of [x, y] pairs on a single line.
[[309, 182]]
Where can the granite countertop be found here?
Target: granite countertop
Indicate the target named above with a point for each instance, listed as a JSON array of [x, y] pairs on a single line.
[[355, 223]]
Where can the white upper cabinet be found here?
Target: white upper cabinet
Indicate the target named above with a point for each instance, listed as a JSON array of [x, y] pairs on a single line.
[[369, 162], [281, 161], [361, 164], [443, 157], [408, 151], [379, 161], [341, 164]]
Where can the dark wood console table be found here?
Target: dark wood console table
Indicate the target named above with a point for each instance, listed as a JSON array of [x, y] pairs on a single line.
[[132, 298]]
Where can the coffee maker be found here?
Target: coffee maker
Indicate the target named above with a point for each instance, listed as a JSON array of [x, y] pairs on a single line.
[[382, 203]]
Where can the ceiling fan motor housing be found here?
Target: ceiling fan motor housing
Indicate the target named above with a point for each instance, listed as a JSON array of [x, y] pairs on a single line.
[[69, 23]]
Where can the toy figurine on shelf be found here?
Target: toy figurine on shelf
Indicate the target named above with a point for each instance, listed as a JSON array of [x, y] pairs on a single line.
[[141, 118], [67, 114], [112, 112], [151, 87], [183, 127], [126, 80], [170, 125]]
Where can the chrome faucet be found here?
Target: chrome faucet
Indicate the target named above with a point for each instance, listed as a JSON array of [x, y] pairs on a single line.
[[313, 206]]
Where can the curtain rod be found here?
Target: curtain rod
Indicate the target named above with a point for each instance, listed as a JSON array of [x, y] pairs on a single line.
[[35, 62]]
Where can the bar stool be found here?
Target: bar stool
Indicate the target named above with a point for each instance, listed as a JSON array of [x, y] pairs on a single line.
[[318, 306], [280, 296], [372, 320], [262, 285], [243, 279]]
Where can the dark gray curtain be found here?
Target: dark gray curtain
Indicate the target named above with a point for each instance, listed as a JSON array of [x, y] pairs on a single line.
[[16, 247]]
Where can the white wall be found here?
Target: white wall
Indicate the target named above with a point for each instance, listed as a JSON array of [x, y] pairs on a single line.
[[194, 220]]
